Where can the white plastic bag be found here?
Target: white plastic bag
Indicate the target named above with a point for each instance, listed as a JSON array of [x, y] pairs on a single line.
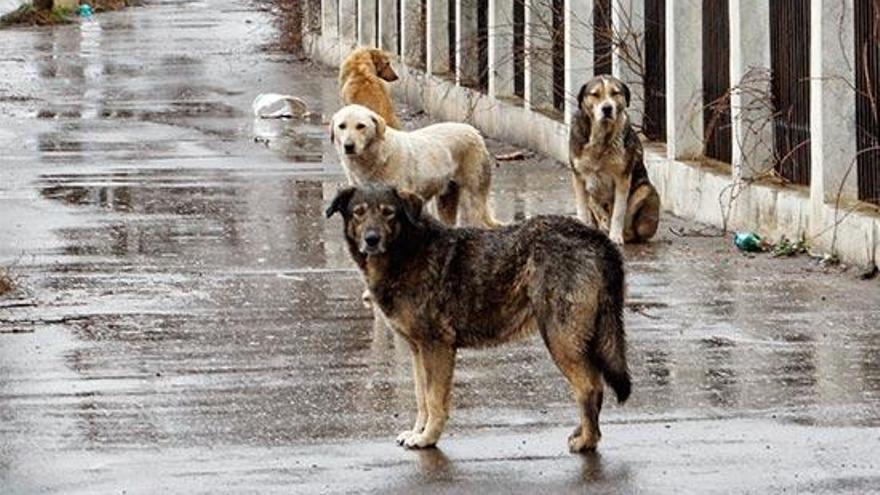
[[276, 106]]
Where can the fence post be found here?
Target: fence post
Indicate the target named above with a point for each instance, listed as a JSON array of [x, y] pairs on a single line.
[[467, 64], [438, 36], [412, 33], [501, 48], [832, 102], [539, 55], [329, 18], [628, 56], [578, 50], [367, 22], [684, 79], [751, 107], [388, 27], [347, 21]]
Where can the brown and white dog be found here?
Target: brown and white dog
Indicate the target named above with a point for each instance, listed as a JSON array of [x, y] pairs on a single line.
[[611, 186], [363, 80]]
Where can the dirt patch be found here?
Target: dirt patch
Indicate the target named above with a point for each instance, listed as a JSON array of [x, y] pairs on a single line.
[[7, 284]]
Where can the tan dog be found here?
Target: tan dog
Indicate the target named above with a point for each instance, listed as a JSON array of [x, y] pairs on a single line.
[[443, 289], [362, 81], [611, 185], [448, 161]]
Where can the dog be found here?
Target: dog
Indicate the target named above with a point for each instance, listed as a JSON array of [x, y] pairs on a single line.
[[611, 186], [362, 81], [448, 161], [444, 288]]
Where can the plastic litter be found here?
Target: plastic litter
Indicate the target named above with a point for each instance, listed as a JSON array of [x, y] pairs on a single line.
[[749, 242], [85, 10], [277, 106]]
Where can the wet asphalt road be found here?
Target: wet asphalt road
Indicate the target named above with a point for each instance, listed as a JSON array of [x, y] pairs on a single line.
[[189, 323]]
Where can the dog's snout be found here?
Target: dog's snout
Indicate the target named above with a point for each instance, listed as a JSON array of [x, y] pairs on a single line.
[[349, 148], [372, 238], [607, 110]]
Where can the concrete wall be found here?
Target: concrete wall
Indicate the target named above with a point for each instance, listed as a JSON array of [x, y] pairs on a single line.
[[826, 212], [7, 6]]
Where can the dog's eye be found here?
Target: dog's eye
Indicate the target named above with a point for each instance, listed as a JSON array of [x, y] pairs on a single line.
[[342, 126], [388, 211], [615, 93], [359, 210], [594, 94], [359, 126]]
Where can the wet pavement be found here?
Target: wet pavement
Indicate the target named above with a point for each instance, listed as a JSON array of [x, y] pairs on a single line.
[[188, 322]]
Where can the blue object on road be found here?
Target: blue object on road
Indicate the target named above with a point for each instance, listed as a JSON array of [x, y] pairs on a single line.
[[748, 242], [85, 10]]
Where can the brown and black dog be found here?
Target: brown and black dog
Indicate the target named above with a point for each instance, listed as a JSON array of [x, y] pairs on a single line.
[[611, 186], [363, 80], [443, 288]]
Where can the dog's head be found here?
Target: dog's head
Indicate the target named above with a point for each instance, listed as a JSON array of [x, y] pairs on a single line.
[[604, 99], [382, 63], [376, 216], [355, 128]]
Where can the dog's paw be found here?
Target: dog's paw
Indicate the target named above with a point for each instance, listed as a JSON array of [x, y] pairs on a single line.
[[404, 436], [578, 442], [616, 239], [419, 441], [367, 299]]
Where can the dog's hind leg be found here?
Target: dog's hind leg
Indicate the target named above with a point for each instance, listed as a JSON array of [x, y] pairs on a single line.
[[447, 203], [438, 361], [586, 384], [643, 214], [419, 379]]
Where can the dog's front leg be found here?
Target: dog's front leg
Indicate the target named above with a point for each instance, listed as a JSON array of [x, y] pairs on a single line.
[[438, 361], [581, 199], [421, 403], [618, 213]]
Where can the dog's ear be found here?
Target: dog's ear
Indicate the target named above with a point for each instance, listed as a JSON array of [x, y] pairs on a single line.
[[380, 125], [581, 94], [382, 63], [412, 205], [340, 202], [626, 94]]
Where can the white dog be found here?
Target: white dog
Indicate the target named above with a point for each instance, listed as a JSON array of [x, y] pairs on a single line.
[[448, 161]]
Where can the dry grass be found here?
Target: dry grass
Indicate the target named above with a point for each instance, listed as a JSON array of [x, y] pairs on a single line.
[[27, 14]]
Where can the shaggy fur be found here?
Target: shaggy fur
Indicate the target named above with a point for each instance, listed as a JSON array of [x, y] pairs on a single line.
[[448, 161], [445, 288], [363, 80], [611, 185]]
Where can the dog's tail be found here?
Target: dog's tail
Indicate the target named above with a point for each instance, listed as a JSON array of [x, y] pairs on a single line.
[[610, 341]]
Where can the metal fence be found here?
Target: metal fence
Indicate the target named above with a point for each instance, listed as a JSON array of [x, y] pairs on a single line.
[[655, 70], [519, 48], [790, 65], [867, 76], [558, 55], [716, 80], [603, 36]]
